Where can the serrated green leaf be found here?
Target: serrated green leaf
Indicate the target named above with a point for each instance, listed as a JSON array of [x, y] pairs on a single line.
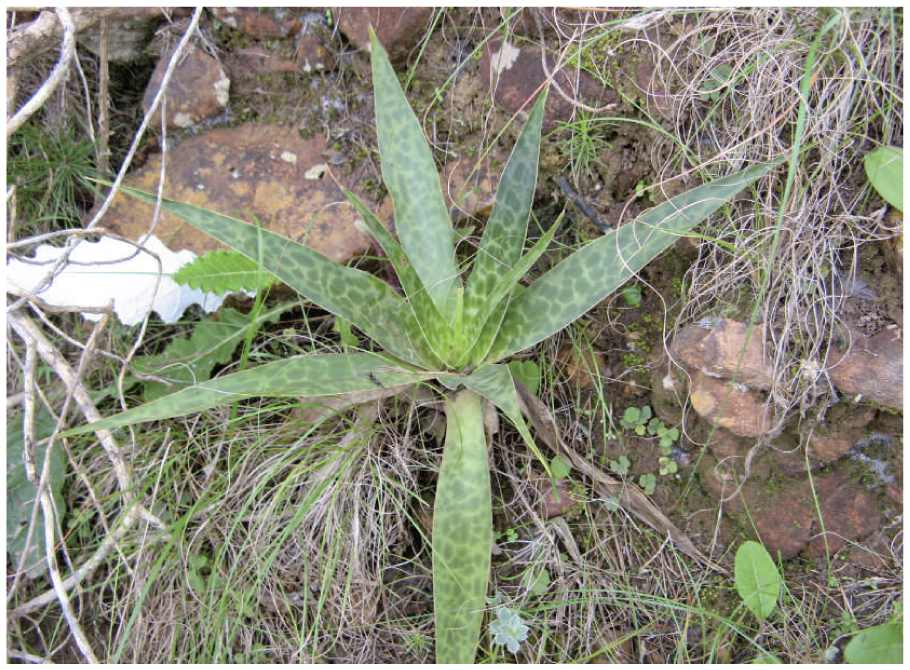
[[295, 377], [757, 580], [596, 270], [188, 361], [410, 174], [224, 271]]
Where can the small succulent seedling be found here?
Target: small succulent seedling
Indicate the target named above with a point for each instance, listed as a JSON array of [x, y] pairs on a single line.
[[450, 328]]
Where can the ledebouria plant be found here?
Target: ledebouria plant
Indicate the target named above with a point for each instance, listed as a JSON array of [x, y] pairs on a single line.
[[451, 328]]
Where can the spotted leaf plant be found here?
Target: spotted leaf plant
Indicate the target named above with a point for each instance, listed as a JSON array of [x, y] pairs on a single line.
[[450, 327]]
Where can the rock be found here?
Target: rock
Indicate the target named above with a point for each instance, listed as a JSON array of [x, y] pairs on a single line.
[[470, 188], [130, 30], [312, 55], [784, 524], [198, 90], [515, 76], [549, 506], [398, 29], [717, 352], [259, 23], [873, 367], [848, 514], [266, 171], [843, 427], [734, 407]]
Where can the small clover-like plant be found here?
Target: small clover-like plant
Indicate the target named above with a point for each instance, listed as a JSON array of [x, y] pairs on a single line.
[[621, 466], [666, 465], [648, 483], [667, 436], [636, 419], [454, 324]]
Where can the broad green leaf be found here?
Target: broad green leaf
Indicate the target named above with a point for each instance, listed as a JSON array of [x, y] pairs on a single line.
[[885, 169], [879, 644], [364, 300], [435, 329], [224, 271], [506, 229], [757, 579], [296, 377], [410, 174], [596, 270], [462, 531], [20, 493]]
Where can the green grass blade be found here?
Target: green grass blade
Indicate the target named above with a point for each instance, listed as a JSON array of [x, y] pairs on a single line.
[[296, 377], [410, 174], [364, 300], [596, 270], [462, 531], [435, 329], [506, 229]]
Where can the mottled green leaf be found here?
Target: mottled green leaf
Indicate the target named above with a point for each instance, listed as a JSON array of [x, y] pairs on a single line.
[[596, 270], [462, 531], [438, 333], [296, 377], [361, 298], [409, 172], [505, 231], [188, 361]]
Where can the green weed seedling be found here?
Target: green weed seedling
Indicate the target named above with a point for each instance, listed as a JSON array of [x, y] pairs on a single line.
[[451, 327], [636, 419], [509, 629], [758, 581], [885, 169], [648, 483], [621, 466]]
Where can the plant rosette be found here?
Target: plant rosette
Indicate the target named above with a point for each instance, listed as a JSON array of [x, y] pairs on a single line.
[[450, 327]]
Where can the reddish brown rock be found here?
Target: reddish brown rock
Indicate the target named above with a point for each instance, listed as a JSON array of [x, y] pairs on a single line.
[[848, 513], [312, 55], [198, 90], [873, 367], [516, 76], [844, 426], [470, 188], [266, 171], [398, 29], [261, 24], [550, 506], [736, 408], [717, 352], [784, 524]]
